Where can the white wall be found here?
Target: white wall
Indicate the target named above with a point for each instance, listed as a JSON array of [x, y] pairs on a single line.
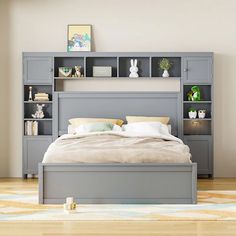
[[131, 25]]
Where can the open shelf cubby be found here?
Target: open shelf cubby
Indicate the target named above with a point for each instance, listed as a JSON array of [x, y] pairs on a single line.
[[175, 70], [205, 91], [197, 106], [37, 89], [44, 126], [143, 64], [30, 108], [68, 62], [197, 127], [101, 61]]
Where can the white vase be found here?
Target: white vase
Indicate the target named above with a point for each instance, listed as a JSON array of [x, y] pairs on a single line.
[[201, 114], [192, 114], [165, 74]]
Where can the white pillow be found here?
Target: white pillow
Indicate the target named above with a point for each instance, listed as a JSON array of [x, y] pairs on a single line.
[[147, 127]]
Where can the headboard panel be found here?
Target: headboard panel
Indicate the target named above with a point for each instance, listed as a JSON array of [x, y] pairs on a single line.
[[69, 105]]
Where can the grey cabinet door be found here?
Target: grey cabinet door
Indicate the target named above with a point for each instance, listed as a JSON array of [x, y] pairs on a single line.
[[201, 150], [197, 69], [38, 70], [34, 149]]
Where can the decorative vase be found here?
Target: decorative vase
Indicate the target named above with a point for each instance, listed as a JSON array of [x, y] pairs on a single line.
[[165, 74], [201, 114], [192, 114]]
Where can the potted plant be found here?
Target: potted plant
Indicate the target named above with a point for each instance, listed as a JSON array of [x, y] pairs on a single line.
[[165, 65], [192, 113]]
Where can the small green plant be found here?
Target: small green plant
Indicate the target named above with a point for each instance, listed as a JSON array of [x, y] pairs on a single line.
[[191, 109], [165, 64]]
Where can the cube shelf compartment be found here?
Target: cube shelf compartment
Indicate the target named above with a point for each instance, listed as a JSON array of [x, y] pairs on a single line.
[[101, 61], [197, 106], [204, 89], [37, 89], [175, 70], [68, 62], [44, 126], [197, 127], [30, 108], [143, 66]]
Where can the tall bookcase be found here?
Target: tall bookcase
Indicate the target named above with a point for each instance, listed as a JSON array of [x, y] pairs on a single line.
[[198, 133], [38, 74], [40, 70]]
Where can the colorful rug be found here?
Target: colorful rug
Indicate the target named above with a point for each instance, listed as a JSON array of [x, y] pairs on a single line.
[[212, 205]]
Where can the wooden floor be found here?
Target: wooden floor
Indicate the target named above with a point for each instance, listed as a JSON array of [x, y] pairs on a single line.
[[116, 228]]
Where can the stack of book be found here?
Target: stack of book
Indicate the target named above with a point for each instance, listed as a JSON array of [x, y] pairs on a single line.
[[31, 128], [41, 97]]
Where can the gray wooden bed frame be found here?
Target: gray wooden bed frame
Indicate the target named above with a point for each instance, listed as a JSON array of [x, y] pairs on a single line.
[[117, 183]]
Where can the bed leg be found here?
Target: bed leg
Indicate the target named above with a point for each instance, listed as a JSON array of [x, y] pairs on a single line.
[[40, 178], [24, 176]]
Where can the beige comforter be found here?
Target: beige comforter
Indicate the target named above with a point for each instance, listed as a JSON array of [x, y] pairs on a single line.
[[114, 147]]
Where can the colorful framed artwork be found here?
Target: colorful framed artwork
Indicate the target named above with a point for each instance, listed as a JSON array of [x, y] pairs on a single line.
[[79, 38]]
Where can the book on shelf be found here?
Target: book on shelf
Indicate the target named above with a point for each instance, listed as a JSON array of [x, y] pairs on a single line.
[[31, 128], [41, 97]]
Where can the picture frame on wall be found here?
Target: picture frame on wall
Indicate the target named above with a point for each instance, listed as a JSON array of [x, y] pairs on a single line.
[[79, 38]]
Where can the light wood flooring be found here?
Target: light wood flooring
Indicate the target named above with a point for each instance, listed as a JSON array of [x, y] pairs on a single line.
[[116, 228]]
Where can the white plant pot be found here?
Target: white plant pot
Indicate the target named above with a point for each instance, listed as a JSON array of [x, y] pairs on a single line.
[[201, 114], [192, 114], [165, 74]]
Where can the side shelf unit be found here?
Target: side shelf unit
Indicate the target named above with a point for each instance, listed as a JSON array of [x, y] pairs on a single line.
[[40, 71], [198, 133], [38, 74]]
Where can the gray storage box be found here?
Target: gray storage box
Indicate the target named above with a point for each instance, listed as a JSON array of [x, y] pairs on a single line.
[[102, 71]]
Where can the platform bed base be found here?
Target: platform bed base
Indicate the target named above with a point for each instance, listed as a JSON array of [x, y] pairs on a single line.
[[118, 183]]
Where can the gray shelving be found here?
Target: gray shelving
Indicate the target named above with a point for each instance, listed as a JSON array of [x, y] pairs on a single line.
[[40, 70]]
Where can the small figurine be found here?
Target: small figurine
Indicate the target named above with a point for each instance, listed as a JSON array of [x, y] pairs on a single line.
[[39, 113], [194, 94], [77, 71], [201, 114], [30, 94], [133, 69], [70, 205]]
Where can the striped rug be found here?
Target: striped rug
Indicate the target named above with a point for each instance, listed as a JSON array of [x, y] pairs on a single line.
[[212, 206]]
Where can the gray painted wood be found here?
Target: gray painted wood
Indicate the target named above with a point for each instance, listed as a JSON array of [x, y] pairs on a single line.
[[197, 69], [38, 70], [201, 150], [118, 183], [69, 105], [34, 149], [200, 72]]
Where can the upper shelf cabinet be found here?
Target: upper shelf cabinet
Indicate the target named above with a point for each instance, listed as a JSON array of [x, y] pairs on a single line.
[[38, 70], [197, 70]]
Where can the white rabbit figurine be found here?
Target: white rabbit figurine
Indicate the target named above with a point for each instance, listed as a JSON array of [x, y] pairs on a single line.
[[39, 113], [133, 69]]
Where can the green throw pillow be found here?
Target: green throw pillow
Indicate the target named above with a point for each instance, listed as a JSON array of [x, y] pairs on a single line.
[[96, 127]]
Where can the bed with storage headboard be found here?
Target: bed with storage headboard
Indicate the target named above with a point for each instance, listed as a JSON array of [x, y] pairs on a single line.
[[117, 183]]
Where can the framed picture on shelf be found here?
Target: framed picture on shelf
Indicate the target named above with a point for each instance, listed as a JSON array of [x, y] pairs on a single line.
[[79, 38]]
